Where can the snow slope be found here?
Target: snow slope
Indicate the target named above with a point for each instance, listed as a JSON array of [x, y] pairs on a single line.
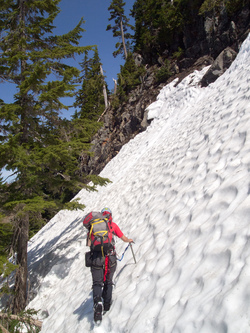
[[181, 190]]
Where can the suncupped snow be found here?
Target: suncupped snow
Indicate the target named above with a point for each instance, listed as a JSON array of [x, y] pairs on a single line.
[[181, 190]]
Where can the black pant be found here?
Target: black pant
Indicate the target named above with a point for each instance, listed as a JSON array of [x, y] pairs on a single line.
[[103, 270]]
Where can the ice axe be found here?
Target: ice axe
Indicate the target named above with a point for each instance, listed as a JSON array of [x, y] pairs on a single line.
[[130, 244]]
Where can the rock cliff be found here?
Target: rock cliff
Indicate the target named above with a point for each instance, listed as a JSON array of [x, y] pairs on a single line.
[[213, 40]]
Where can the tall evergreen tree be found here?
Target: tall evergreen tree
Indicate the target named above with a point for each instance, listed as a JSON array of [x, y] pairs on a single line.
[[149, 21], [90, 99], [120, 27], [35, 143], [129, 77]]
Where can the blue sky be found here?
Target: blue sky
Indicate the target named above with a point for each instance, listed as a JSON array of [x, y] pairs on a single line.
[[95, 14]]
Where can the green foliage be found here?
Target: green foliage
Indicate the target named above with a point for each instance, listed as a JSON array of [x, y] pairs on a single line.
[[6, 267], [159, 24], [232, 6], [33, 143], [115, 101], [211, 6], [129, 77], [5, 288], [120, 27], [90, 98], [22, 321], [5, 236], [163, 73], [38, 209], [149, 22], [74, 205], [178, 54], [43, 150], [215, 6], [96, 180]]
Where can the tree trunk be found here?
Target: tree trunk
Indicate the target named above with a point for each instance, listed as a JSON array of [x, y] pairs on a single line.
[[123, 40], [20, 288], [104, 89], [21, 232], [115, 86]]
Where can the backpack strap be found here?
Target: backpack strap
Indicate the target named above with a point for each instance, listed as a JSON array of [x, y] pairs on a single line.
[[96, 221], [102, 232]]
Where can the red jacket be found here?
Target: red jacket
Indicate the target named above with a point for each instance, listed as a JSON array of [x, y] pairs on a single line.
[[114, 227]]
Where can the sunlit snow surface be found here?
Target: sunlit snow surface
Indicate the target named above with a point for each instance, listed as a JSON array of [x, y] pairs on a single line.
[[181, 190]]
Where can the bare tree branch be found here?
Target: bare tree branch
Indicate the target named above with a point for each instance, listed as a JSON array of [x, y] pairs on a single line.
[[3, 329], [32, 321]]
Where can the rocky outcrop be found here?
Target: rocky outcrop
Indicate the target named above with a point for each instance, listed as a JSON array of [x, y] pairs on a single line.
[[213, 40], [122, 124], [220, 65], [213, 33]]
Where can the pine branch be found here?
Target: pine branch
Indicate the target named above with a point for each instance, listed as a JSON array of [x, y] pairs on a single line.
[[37, 323]]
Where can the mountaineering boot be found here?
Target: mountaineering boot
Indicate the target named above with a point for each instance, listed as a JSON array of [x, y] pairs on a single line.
[[106, 307], [98, 311]]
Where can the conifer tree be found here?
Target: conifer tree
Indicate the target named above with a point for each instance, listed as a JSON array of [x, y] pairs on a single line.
[[40, 148], [159, 25], [129, 77], [148, 15], [90, 99], [120, 27]]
